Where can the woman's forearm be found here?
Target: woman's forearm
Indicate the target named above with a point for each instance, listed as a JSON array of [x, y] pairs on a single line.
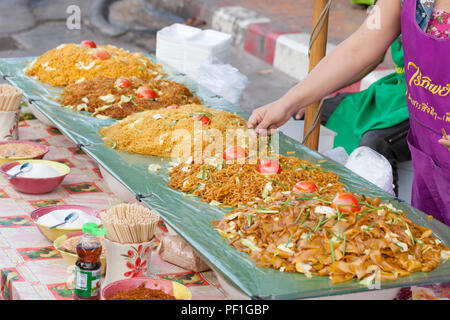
[[349, 59]]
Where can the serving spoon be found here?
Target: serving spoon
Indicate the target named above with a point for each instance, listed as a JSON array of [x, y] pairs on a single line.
[[23, 168], [71, 217]]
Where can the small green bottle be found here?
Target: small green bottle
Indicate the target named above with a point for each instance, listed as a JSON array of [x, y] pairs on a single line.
[[88, 268]]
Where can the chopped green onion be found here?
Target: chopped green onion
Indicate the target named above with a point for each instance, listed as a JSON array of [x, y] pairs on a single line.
[[370, 227], [319, 224], [369, 205], [305, 198], [249, 219], [306, 216], [413, 240], [289, 240], [113, 142], [333, 234], [332, 250], [285, 204], [267, 211], [210, 176], [343, 250], [198, 186], [203, 173], [301, 212]]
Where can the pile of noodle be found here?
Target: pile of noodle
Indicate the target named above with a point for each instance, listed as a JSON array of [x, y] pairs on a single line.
[[170, 132], [233, 184], [71, 63], [293, 233], [100, 97]]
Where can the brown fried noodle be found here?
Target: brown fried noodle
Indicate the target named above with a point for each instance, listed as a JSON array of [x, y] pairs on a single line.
[[100, 97], [378, 242]]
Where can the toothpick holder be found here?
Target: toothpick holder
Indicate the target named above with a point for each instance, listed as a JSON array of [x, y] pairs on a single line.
[[127, 260]]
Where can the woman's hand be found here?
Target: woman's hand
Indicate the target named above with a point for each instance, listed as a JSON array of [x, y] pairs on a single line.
[[445, 141], [270, 116]]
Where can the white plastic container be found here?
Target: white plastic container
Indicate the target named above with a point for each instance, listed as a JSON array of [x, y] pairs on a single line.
[[185, 48], [294, 129], [170, 43]]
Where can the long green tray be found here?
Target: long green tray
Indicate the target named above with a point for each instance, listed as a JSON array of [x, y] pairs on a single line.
[[190, 218]]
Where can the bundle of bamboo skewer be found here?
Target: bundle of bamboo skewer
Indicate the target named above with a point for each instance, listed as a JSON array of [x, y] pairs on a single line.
[[129, 223], [10, 98]]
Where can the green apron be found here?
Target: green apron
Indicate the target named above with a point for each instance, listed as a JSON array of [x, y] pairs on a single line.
[[381, 106]]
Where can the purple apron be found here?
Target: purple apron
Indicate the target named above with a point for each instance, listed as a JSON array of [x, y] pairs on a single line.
[[427, 71]]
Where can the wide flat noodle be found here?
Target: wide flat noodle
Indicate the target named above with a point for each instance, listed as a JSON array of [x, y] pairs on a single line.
[[377, 242]]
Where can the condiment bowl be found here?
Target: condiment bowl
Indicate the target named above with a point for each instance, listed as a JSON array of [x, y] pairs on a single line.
[[71, 258], [57, 232], [36, 185], [44, 149], [176, 289]]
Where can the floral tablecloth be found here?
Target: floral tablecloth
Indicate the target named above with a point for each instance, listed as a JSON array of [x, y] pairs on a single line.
[[31, 268]]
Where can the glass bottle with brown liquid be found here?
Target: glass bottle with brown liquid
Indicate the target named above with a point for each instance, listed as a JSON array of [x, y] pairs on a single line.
[[88, 268]]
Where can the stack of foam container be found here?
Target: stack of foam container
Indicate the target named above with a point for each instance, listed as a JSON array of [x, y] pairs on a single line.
[[203, 46], [170, 44], [185, 48]]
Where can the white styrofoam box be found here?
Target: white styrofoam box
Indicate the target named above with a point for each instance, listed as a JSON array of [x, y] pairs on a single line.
[[170, 43], [210, 41], [177, 31], [294, 129], [374, 76], [291, 54]]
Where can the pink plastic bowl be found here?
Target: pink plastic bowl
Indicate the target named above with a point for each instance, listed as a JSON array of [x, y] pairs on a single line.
[[44, 149], [176, 289], [53, 234], [36, 185]]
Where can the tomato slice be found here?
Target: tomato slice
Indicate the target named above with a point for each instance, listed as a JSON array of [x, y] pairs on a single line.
[[269, 166], [174, 106], [146, 93], [122, 83], [305, 186], [203, 118], [88, 44], [345, 202], [101, 54], [234, 152]]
